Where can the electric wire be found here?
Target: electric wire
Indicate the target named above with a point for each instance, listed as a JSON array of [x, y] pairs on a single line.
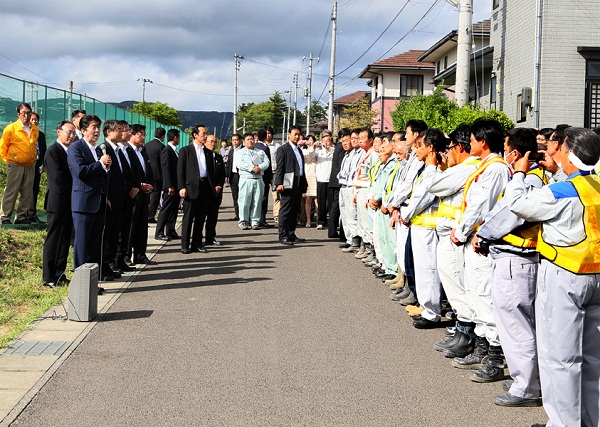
[[32, 72]]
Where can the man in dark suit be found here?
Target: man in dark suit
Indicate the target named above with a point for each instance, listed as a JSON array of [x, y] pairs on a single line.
[[232, 174], [39, 165], [116, 197], [267, 177], [58, 206], [290, 182], [197, 187], [142, 176], [124, 262], [154, 148], [213, 212], [167, 217], [89, 168], [333, 188]]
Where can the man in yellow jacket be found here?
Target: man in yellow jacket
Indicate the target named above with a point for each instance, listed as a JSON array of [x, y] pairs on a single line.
[[18, 151]]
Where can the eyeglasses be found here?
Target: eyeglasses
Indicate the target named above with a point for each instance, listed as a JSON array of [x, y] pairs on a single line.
[[68, 132], [25, 113], [451, 146]]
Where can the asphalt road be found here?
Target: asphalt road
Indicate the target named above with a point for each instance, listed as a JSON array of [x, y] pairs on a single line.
[[255, 333]]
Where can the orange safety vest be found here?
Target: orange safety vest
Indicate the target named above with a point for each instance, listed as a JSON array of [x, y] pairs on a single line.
[[582, 257]]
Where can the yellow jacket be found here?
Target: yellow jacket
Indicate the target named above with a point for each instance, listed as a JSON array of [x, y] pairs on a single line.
[[16, 147]]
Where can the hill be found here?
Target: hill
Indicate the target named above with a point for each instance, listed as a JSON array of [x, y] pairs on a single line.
[[216, 122]]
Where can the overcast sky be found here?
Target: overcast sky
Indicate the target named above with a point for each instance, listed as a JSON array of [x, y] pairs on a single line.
[[186, 47]]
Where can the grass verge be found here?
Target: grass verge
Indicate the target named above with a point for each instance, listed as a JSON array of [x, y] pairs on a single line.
[[23, 298]]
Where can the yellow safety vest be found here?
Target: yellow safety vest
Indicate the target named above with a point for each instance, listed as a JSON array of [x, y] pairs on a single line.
[[372, 173], [447, 210], [425, 220], [583, 257], [527, 237], [391, 179], [480, 169]]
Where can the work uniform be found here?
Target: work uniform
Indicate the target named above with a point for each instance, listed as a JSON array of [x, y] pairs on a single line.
[[421, 212], [567, 306], [482, 190], [251, 187], [347, 208], [361, 184], [449, 185], [512, 243], [384, 237]]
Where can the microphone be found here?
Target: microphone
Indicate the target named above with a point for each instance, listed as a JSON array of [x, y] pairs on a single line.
[[103, 148]]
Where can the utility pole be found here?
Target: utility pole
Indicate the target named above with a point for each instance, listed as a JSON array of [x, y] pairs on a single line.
[[284, 129], [332, 68], [309, 94], [144, 81], [538, 64], [289, 112], [295, 96], [235, 90], [463, 54]]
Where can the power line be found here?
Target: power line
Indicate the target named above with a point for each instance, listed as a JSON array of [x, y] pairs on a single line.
[[376, 40], [32, 72]]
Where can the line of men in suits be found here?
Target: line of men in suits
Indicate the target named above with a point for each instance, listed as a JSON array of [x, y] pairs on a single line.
[[101, 191]]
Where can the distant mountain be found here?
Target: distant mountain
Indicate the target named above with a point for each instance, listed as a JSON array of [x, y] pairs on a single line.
[[216, 122]]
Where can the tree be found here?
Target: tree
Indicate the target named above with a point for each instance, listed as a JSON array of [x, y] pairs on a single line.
[[358, 115], [440, 112], [160, 112]]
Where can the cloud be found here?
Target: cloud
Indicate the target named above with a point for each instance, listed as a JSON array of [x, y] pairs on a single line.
[[186, 48]]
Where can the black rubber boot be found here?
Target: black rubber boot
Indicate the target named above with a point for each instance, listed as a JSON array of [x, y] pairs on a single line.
[[466, 344], [492, 367], [472, 360]]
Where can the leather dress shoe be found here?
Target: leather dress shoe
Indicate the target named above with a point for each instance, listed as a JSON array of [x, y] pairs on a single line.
[[185, 251], [22, 221], [151, 221], [265, 225], [174, 235], [125, 267], [214, 242], [101, 290], [144, 260], [201, 249], [297, 239], [128, 262], [344, 245], [63, 280], [235, 218], [50, 284], [107, 277], [286, 241], [162, 237]]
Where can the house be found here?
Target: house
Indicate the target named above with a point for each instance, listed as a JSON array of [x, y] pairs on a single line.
[[393, 78], [569, 66], [443, 54], [339, 105]]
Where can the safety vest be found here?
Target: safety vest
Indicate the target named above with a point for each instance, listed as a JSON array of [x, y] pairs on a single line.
[[583, 257], [527, 237], [447, 210], [373, 171], [425, 220], [480, 169], [391, 179], [358, 181]]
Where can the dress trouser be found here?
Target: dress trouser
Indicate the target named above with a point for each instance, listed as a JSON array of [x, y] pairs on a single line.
[[138, 235], [234, 184], [513, 295], [56, 245], [288, 212], [37, 176], [450, 264], [387, 242], [427, 281], [322, 199], [567, 314], [478, 288], [87, 246], [195, 212], [167, 217], [250, 199], [362, 213], [19, 180], [264, 207], [154, 199], [212, 217], [333, 204], [348, 213]]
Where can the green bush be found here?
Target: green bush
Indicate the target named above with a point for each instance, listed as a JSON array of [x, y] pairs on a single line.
[[440, 112]]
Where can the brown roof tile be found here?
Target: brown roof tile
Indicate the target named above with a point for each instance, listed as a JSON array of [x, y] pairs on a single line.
[[406, 59], [353, 97]]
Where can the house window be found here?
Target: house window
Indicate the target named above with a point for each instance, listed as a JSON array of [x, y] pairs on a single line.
[[493, 92], [411, 84], [592, 94], [445, 62], [495, 4]]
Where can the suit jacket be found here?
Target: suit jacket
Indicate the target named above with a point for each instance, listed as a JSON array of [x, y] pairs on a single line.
[[42, 149], [188, 173], [336, 165], [168, 163], [60, 181], [268, 173], [219, 170], [287, 163], [229, 165], [116, 183], [89, 178], [140, 176], [154, 148]]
